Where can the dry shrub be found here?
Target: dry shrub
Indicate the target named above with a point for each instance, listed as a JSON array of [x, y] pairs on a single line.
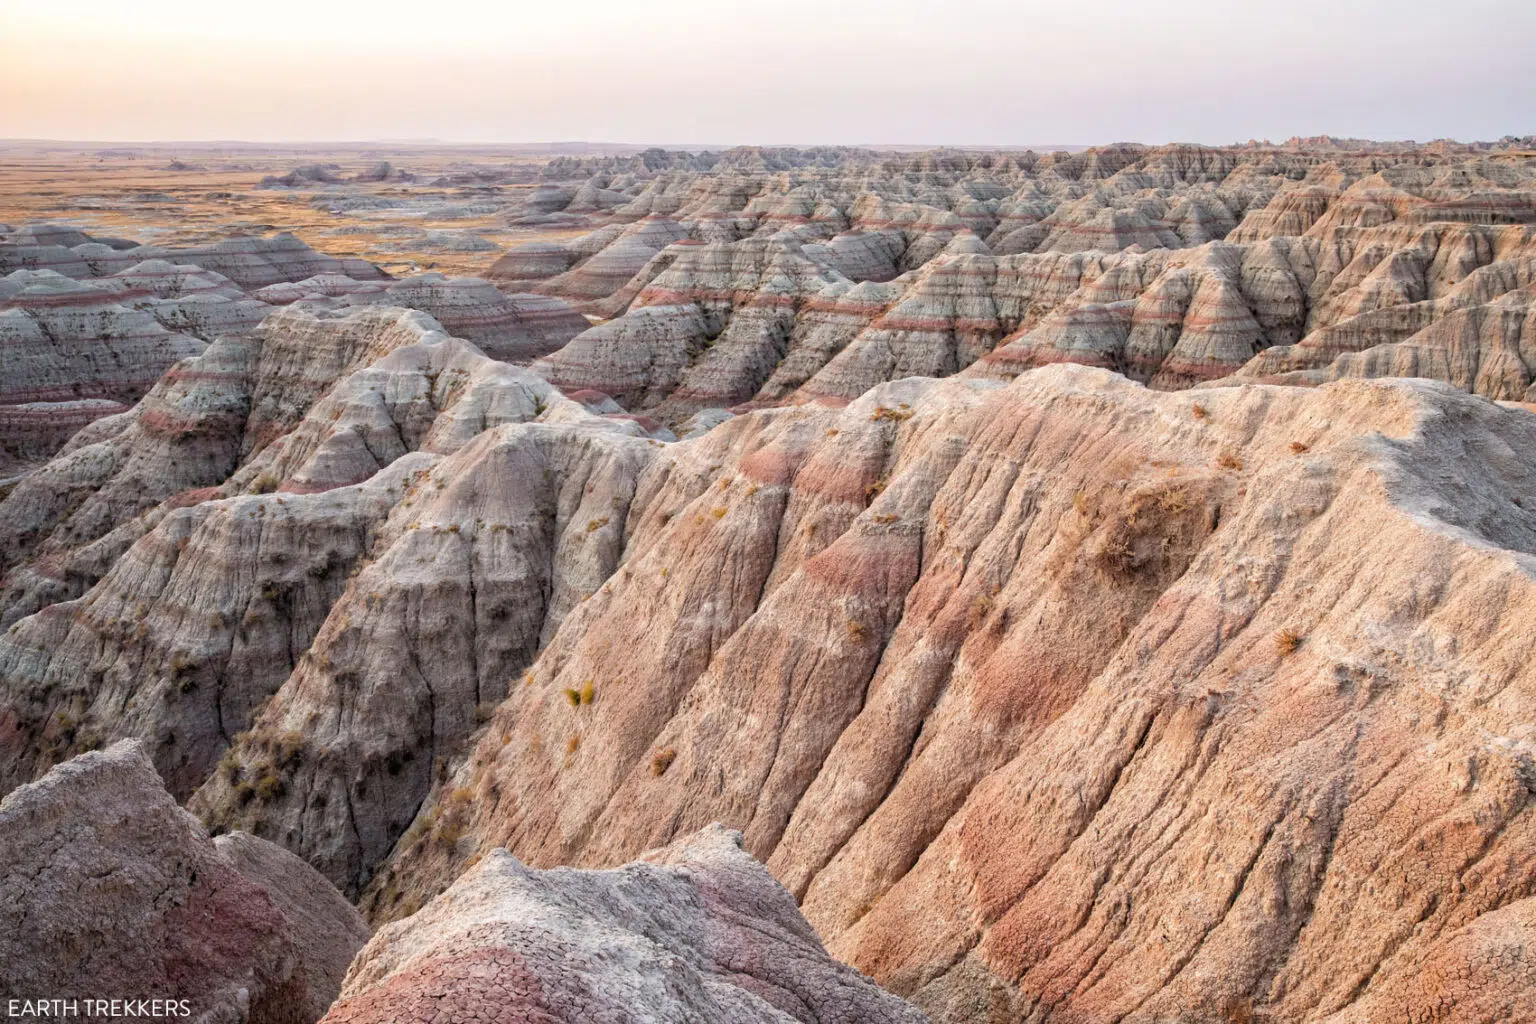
[[1287, 641], [1200, 412], [980, 608], [1229, 460], [1176, 500], [662, 760], [1298, 447]]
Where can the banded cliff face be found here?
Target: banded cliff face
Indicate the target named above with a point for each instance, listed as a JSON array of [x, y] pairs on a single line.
[[182, 565], [1054, 699], [1049, 693], [1065, 699], [87, 328], [1176, 267]]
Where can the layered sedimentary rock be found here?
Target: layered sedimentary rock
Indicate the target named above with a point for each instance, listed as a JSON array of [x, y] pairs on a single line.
[[489, 551], [513, 328], [86, 326], [594, 270], [216, 574], [638, 360], [1048, 694], [71, 352], [1065, 698], [112, 891], [249, 262], [698, 931], [1261, 247]]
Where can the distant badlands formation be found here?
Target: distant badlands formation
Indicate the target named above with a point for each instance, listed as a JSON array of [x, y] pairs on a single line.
[[1057, 588]]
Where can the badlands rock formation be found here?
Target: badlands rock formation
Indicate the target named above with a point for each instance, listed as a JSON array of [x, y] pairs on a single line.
[[184, 559], [1065, 699], [112, 891], [87, 328], [1041, 590], [697, 932], [1175, 266], [1061, 698]]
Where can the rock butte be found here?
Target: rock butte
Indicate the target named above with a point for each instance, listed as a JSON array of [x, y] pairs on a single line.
[[1046, 591]]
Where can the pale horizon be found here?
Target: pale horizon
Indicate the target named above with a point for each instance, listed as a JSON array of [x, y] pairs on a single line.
[[693, 73]]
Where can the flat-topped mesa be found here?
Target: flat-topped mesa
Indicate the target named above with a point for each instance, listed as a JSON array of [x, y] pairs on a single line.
[[697, 931], [111, 890]]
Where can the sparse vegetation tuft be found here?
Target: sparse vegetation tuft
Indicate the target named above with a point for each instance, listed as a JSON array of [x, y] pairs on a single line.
[[662, 760], [981, 607], [1175, 500], [1287, 641]]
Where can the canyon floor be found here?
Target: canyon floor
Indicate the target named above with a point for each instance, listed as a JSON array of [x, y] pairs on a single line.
[[818, 585]]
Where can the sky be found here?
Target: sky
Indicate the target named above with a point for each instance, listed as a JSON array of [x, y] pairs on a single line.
[[770, 72]]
